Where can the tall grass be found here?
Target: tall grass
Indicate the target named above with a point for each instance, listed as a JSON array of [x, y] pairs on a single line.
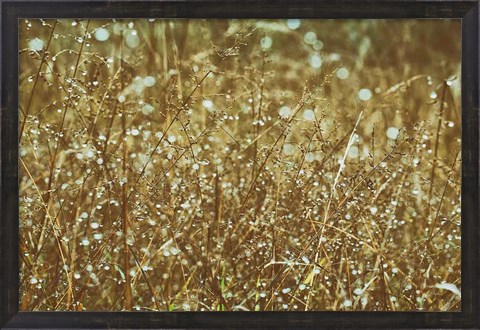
[[219, 165]]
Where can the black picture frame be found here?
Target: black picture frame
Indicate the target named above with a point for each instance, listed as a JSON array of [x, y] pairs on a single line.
[[12, 11]]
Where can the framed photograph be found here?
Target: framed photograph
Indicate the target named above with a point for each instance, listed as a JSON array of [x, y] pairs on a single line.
[[239, 164]]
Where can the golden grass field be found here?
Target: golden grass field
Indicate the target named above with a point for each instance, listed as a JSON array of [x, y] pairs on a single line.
[[240, 165]]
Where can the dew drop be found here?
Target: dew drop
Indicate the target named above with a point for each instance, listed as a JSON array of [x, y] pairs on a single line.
[[288, 149], [266, 42], [310, 37], [392, 133], [309, 115], [285, 112], [147, 109], [207, 104], [149, 81], [353, 152], [132, 40], [98, 236], [342, 73], [36, 44], [286, 290], [102, 34], [293, 23], [365, 94], [318, 45], [316, 61], [310, 157]]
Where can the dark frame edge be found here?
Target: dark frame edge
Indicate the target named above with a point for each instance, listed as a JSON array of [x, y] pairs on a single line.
[[10, 317], [9, 170], [325, 9], [470, 154]]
